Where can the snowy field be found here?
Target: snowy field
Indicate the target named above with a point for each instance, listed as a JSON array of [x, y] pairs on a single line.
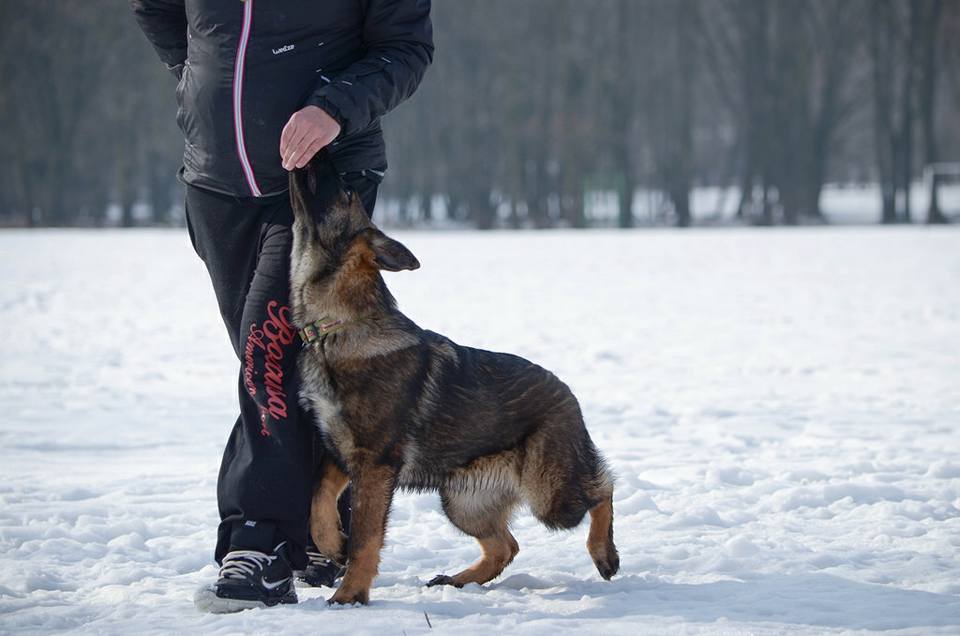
[[781, 407]]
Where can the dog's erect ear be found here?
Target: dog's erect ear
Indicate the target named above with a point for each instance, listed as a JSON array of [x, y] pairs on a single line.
[[388, 253]]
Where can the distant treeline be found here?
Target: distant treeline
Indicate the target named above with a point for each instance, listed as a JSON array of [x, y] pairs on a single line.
[[529, 106]]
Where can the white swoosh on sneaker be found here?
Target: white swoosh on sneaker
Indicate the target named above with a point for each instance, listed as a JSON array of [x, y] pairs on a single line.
[[275, 584]]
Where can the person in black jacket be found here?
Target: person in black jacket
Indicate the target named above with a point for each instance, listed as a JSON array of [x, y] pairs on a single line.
[[263, 85]]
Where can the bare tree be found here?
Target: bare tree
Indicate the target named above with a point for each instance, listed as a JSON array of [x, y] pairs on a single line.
[[895, 33], [529, 106], [931, 37]]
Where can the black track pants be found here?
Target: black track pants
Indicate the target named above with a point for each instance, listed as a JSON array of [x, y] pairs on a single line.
[[265, 482]]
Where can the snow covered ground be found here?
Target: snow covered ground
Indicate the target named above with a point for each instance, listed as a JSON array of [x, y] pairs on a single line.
[[781, 407]]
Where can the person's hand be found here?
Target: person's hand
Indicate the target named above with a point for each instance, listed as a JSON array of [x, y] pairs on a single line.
[[309, 130]]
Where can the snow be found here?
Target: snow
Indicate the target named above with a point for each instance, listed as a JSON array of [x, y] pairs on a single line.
[[781, 407]]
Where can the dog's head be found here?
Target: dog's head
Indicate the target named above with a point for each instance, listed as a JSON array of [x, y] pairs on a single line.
[[338, 252]]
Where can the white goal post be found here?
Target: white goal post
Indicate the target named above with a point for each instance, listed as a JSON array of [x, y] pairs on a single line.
[[942, 179]]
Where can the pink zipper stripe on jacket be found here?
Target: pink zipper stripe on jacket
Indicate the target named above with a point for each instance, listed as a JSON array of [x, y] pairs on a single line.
[[238, 97]]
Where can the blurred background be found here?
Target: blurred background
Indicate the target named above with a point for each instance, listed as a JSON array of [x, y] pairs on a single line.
[[542, 113]]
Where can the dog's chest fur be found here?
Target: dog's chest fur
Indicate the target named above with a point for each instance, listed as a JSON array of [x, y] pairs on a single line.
[[346, 384], [319, 396]]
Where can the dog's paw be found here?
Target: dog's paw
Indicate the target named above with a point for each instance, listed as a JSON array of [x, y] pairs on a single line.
[[346, 596], [443, 579], [609, 565]]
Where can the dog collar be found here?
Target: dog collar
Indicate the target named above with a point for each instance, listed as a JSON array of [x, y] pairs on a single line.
[[318, 329]]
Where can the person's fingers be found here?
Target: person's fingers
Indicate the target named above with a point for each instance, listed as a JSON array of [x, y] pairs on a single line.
[[306, 132], [300, 140], [308, 153], [305, 151], [300, 132], [295, 148], [286, 136]]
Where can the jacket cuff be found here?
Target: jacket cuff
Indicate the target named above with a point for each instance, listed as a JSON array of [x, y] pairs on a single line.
[[322, 100]]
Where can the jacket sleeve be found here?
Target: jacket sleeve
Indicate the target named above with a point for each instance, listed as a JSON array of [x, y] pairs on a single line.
[[399, 40], [164, 22]]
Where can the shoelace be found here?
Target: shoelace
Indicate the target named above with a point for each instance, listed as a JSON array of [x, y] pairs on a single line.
[[240, 564], [315, 557]]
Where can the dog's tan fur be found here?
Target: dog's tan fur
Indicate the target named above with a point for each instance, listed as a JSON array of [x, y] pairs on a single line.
[[325, 528], [399, 406]]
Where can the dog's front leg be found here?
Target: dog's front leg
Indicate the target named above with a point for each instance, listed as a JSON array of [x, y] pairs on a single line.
[[325, 527], [373, 486]]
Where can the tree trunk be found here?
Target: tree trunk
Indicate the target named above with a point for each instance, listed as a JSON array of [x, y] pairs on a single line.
[[881, 39], [625, 198], [928, 100]]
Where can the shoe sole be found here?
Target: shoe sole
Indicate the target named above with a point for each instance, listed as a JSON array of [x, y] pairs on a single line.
[[207, 601]]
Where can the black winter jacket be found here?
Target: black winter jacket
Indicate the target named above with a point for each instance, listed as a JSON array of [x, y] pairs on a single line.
[[245, 66]]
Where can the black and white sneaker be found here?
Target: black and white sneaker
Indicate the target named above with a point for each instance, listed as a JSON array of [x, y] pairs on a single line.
[[249, 579], [321, 570]]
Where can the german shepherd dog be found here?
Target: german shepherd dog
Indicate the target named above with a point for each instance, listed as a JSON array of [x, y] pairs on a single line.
[[402, 407]]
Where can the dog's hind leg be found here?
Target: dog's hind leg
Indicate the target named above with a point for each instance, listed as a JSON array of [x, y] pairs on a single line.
[[498, 552], [485, 515], [325, 528], [600, 540], [561, 482]]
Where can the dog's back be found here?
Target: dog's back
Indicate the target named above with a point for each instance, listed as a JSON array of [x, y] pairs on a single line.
[[499, 420], [487, 430]]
